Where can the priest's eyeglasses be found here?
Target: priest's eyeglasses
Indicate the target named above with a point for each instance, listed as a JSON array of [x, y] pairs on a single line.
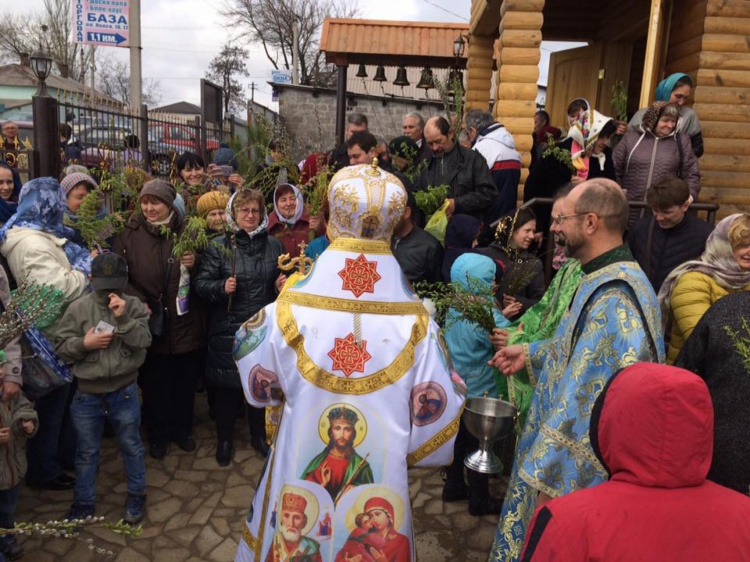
[[559, 219]]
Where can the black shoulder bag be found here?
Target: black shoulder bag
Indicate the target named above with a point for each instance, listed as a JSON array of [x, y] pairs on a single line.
[[159, 316]]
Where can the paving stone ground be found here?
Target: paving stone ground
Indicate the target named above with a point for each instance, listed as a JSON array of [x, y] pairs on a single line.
[[195, 509]]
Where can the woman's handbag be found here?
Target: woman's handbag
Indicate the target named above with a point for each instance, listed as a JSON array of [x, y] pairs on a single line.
[[160, 314], [43, 371]]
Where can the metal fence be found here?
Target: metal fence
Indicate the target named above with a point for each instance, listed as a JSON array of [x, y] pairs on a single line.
[[113, 135]]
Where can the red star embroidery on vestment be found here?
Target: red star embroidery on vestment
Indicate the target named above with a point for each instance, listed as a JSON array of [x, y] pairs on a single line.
[[359, 276], [348, 356]]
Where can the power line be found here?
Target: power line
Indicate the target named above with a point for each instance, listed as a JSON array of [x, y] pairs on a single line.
[[446, 10]]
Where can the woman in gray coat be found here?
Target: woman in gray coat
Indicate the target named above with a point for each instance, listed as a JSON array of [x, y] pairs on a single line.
[[657, 150]]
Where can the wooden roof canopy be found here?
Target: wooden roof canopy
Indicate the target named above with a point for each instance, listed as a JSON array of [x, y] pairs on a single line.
[[348, 42]]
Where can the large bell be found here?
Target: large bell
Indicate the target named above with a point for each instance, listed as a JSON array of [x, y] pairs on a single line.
[[401, 79], [361, 72], [380, 74], [456, 77], [426, 82]]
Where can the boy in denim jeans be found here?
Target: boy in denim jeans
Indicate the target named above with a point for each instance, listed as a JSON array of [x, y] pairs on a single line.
[[105, 335]]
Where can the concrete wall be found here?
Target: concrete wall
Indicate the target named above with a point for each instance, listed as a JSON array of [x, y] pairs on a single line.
[[310, 115]]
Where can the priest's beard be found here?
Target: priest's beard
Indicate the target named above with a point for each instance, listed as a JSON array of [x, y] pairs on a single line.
[[290, 534]]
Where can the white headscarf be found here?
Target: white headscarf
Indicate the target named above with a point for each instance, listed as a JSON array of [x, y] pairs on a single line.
[[300, 205]]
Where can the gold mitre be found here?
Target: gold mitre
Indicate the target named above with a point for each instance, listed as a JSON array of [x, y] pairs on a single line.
[[366, 202]]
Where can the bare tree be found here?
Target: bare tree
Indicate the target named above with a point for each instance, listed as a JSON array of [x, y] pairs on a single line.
[[50, 30], [113, 79], [15, 39], [224, 69], [270, 23]]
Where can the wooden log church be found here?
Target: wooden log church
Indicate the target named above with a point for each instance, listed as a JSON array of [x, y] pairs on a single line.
[[638, 42]]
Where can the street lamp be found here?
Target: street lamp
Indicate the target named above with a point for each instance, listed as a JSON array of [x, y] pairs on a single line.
[[41, 64]]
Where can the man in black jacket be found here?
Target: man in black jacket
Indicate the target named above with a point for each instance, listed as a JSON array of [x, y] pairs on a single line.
[[472, 191], [419, 253], [669, 237]]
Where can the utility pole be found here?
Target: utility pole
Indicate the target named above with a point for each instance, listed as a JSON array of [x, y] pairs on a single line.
[[252, 91], [135, 53], [295, 50], [92, 67]]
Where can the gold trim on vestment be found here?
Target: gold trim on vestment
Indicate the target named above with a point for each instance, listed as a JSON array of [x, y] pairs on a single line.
[[361, 246], [321, 378], [350, 305], [576, 447], [250, 540], [436, 441], [529, 366]]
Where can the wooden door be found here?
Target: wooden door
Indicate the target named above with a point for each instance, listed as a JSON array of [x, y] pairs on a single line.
[[616, 63], [587, 72], [572, 74]]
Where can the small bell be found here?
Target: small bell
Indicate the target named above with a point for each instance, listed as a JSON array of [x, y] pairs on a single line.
[[361, 72], [380, 74], [401, 79], [426, 82]]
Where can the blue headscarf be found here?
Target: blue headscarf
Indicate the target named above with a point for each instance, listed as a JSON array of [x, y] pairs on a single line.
[[665, 87], [41, 206], [8, 208]]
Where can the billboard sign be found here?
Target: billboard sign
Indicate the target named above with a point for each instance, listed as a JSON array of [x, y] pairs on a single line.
[[281, 76], [104, 23]]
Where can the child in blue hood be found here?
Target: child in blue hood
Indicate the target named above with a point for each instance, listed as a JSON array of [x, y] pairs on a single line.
[[470, 349]]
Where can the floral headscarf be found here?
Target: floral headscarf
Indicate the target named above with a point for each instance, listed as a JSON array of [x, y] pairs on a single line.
[[584, 131], [41, 206], [717, 261]]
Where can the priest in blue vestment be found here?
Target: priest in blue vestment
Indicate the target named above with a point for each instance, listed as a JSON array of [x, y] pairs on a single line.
[[613, 321]]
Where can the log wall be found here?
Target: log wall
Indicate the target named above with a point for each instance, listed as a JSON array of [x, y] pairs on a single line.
[[479, 72], [721, 100], [518, 57]]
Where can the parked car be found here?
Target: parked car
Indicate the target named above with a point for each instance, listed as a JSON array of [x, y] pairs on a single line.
[[176, 135]]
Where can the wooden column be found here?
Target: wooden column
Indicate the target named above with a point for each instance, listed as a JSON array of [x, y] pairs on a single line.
[[518, 72], [657, 22], [479, 72], [721, 101]]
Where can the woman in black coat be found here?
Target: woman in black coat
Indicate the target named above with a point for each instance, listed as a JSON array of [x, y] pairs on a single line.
[[238, 275], [718, 352]]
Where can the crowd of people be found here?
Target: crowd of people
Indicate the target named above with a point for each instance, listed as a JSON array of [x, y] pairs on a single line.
[[316, 359]]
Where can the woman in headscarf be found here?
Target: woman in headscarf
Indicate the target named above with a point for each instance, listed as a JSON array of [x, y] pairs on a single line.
[[522, 284], [238, 276], [587, 143], [10, 189], [654, 152], [676, 89], [38, 249], [690, 290], [290, 222], [169, 375], [460, 238]]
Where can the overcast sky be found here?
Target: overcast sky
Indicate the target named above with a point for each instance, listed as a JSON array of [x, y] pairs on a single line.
[[181, 37]]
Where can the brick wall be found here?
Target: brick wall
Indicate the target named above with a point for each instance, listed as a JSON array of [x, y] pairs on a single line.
[[310, 115]]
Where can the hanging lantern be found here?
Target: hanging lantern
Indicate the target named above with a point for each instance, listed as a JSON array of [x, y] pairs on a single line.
[[380, 74], [426, 82], [361, 72], [401, 79]]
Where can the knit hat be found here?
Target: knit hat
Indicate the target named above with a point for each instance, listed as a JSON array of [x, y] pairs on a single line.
[[161, 189], [72, 180], [210, 201], [224, 156]]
